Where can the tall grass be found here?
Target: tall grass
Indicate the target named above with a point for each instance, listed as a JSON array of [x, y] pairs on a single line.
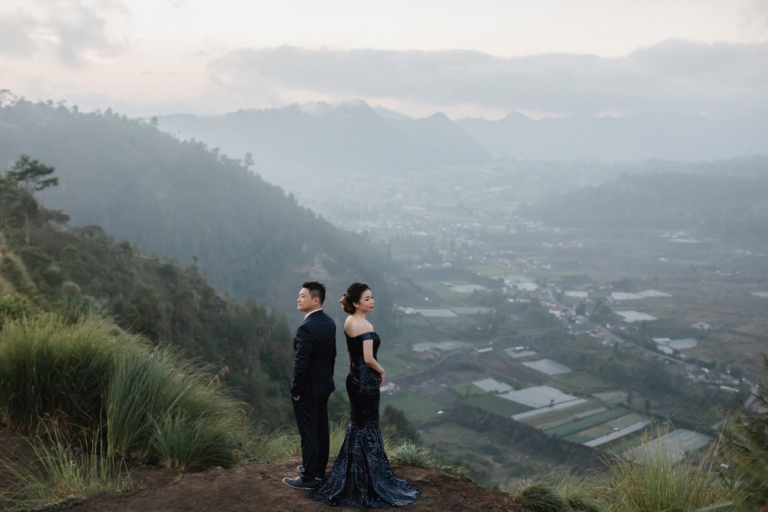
[[541, 497], [163, 407], [657, 480], [651, 478], [268, 445], [568, 493], [55, 371], [413, 455], [88, 376], [744, 445], [63, 471]]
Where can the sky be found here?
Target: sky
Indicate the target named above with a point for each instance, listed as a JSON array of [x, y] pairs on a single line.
[[465, 58]]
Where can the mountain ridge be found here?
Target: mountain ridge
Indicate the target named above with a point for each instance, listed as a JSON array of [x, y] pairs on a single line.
[[181, 199]]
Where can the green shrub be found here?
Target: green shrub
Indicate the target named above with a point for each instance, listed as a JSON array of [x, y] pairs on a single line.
[[540, 497], [13, 269], [569, 492], [14, 307], [413, 455]]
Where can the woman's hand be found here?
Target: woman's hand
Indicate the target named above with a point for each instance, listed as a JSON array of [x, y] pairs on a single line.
[[383, 380]]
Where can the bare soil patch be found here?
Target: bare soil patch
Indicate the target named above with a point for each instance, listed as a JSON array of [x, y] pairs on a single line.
[[13, 449], [260, 487], [254, 487]]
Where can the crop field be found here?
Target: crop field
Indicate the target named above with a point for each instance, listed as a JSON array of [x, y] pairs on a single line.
[[630, 265], [467, 389], [539, 396], [471, 310], [448, 294], [581, 382], [492, 403], [587, 423], [506, 367], [561, 414], [612, 397], [417, 408], [493, 271], [603, 429], [396, 360]]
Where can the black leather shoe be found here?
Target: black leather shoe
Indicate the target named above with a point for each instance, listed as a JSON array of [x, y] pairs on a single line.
[[300, 469], [298, 483]]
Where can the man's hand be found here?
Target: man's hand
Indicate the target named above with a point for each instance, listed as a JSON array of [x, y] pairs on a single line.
[[296, 398]]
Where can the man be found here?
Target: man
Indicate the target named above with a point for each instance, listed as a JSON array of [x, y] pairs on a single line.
[[315, 346]]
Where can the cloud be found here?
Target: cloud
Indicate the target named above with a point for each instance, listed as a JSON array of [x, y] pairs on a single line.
[[758, 13], [72, 29], [672, 75], [15, 39]]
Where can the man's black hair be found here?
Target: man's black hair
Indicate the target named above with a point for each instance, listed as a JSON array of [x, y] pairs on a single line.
[[316, 290]]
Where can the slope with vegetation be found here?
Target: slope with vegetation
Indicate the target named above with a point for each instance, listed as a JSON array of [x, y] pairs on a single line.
[[74, 272], [103, 398], [186, 201]]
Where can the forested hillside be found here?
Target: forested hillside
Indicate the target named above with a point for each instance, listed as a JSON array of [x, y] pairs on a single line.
[[83, 270], [181, 199], [726, 198]]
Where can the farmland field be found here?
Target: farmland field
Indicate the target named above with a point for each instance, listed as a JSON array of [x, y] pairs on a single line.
[[416, 408], [492, 403], [587, 423]]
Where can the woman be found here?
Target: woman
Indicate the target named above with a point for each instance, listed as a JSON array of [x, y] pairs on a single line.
[[361, 475]]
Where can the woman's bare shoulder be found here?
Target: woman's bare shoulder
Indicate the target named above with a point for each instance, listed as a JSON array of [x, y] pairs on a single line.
[[355, 326]]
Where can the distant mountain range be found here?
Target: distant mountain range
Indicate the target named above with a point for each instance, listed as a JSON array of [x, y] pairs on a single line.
[[647, 136], [353, 137]]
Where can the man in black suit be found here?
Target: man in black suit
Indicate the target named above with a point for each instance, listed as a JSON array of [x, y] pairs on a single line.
[[315, 346]]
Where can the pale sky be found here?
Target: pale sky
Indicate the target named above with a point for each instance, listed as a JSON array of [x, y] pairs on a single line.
[[147, 57]]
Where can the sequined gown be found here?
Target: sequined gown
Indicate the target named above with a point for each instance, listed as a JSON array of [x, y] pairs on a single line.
[[361, 475]]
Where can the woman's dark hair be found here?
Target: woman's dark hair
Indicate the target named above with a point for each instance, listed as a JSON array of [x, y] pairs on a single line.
[[354, 292]]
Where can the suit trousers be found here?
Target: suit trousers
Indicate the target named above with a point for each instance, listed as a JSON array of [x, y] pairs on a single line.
[[312, 420]]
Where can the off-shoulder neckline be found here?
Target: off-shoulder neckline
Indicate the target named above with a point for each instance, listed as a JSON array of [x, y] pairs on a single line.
[[359, 335]]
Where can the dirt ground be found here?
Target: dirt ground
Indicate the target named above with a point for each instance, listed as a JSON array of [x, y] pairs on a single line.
[[254, 487], [13, 448]]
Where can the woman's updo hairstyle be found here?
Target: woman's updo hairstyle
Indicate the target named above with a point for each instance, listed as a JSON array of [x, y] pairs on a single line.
[[354, 292]]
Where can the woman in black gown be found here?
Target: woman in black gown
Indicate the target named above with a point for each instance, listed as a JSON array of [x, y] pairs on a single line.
[[361, 475]]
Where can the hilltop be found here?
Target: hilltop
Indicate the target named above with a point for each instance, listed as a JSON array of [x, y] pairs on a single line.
[[256, 487], [259, 487]]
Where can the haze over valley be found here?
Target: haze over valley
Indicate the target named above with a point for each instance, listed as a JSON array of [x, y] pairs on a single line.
[[568, 245]]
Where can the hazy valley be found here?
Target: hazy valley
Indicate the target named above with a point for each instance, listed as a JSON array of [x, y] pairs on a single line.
[[538, 315]]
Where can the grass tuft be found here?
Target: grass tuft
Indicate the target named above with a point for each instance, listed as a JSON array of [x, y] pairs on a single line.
[[162, 407], [88, 375], [413, 455], [744, 446], [540, 497], [55, 371], [657, 480], [64, 472]]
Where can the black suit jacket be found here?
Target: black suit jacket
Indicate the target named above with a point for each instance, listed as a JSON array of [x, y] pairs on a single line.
[[315, 355]]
